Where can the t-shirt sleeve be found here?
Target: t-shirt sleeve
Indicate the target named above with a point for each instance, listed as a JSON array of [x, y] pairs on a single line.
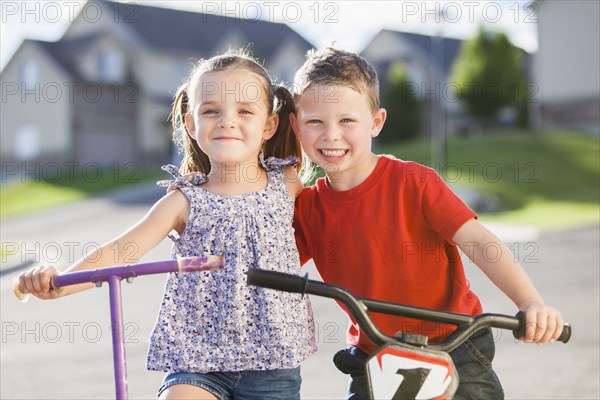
[[300, 228], [444, 211]]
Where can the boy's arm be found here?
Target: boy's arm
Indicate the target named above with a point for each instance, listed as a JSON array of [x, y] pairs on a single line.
[[544, 323], [168, 213]]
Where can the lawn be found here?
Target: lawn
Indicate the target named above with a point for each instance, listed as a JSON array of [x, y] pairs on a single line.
[[58, 186], [548, 180]]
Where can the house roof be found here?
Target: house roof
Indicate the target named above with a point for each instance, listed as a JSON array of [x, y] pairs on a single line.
[[427, 45], [64, 51], [169, 29], [175, 30]]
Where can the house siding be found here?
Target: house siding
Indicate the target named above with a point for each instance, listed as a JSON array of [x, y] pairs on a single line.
[[568, 91], [46, 106]]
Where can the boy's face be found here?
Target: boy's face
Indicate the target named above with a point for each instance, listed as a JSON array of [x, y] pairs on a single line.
[[335, 125]]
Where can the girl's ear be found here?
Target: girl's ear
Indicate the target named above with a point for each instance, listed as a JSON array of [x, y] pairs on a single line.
[[271, 126], [378, 121], [190, 127]]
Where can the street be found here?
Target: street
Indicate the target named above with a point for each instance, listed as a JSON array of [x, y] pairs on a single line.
[[62, 349]]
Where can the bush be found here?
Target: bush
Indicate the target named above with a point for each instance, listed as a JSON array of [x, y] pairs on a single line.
[[403, 107]]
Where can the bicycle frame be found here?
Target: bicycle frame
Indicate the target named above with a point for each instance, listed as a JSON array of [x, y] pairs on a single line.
[[114, 276], [423, 367]]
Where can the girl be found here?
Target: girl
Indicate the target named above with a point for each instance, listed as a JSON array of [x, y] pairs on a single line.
[[216, 337]]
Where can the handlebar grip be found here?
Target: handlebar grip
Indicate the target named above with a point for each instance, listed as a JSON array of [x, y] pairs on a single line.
[[277, 280], [564, 337]]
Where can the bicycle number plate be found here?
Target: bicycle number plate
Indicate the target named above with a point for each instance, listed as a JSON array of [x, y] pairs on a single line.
[[402, 372]]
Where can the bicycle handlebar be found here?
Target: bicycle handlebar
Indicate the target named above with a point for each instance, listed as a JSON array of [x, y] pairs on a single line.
[[359, 307], [181, 265]]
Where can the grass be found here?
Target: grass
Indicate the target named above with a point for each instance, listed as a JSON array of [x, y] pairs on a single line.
[[549, 180], [58, 187]]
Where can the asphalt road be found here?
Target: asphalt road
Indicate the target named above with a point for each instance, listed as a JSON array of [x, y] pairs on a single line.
[[62, 349]]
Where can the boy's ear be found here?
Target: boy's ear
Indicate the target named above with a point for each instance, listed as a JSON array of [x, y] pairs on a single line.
[[378, 121], [190, 127], [294, 123], [271, 126]]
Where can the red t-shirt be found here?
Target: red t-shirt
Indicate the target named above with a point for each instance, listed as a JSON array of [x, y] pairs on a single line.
[[389, 239]]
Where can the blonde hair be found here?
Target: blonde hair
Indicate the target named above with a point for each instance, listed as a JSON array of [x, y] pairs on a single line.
[[333, 66], [279, 100]]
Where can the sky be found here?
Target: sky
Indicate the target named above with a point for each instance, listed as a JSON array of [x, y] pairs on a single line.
[[350, 24]]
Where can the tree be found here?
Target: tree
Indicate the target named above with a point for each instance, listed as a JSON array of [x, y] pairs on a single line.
[[402, 104], [488, 73]]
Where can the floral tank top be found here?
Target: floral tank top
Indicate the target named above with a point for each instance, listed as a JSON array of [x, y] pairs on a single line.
[[214, 321]]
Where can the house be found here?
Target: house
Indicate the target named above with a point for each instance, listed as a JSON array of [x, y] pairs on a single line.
[[428, 61], [566, 67], [102, 93]]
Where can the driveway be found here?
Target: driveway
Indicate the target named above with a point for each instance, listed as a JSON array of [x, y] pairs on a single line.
[[62, 348]]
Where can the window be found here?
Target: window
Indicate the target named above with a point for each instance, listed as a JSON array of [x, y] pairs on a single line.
[[29, 73], [110, 66], [27, 142]]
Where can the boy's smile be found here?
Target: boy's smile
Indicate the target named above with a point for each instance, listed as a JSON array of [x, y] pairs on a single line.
[[335, 125]]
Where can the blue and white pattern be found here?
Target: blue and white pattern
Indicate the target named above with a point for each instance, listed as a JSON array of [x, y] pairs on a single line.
[[214, 321]]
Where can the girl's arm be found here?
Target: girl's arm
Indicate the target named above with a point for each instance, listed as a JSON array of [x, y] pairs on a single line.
[[544, 323], [170, 212], [293, 182]]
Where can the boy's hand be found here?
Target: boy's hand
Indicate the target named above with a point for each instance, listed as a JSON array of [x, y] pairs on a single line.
[[544, 324], [37, 281]]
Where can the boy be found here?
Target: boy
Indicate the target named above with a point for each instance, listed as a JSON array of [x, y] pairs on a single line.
[[388, 229]]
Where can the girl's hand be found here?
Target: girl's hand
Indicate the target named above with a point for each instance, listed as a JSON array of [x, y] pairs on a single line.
[[37, 281], [544, 323]]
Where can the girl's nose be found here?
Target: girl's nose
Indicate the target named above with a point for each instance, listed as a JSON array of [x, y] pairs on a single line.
[[227, 121]]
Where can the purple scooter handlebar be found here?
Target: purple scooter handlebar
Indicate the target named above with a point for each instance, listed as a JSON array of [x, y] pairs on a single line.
[[114, 276], [181, 265]]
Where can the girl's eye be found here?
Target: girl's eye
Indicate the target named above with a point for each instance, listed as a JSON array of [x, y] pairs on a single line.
[[209, 111], [244, 111], [313, 121]]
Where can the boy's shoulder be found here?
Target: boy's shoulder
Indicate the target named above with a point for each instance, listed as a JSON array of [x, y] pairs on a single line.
[[389, 167], [407, 169]]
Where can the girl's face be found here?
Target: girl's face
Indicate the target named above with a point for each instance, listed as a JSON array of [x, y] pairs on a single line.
[[230, 116]]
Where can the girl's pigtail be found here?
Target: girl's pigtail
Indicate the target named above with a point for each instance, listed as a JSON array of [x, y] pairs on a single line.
[[194, 159], [284, 142]]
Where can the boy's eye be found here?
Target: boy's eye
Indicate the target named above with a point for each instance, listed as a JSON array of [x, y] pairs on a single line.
[[245, 111], [345, 120]]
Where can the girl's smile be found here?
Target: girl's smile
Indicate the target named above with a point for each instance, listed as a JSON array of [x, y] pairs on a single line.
[[230, 121]]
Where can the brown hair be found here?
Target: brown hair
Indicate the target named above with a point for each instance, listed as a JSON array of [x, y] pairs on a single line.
[[333, 66], [282, 144]]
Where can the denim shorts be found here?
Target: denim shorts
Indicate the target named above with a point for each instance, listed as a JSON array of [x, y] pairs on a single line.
[[472, 359], [280, 384]]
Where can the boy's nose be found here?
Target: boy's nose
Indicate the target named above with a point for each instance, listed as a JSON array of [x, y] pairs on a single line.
[[332, 133]]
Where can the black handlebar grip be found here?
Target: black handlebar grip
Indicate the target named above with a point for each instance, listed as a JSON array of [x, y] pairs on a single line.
[[520, 331], [277, 280]]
